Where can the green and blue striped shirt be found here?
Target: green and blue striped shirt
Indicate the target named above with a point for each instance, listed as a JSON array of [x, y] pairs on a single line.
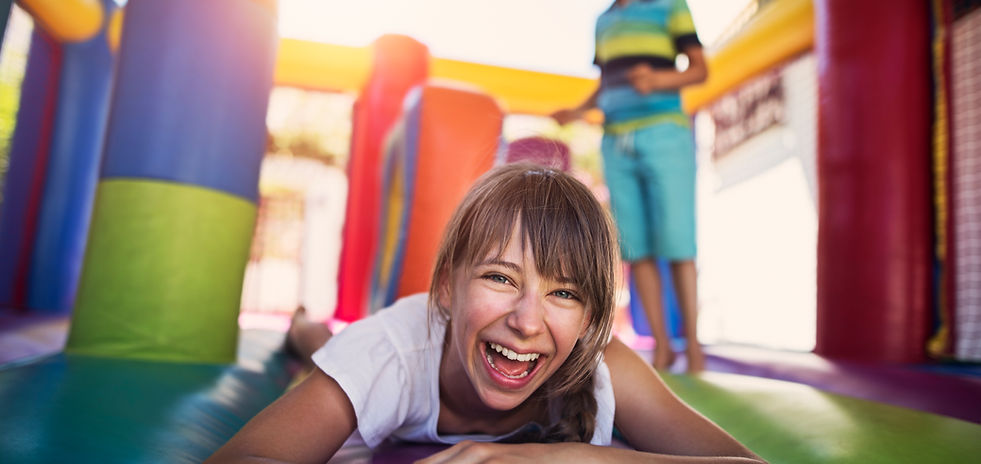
[[644, 31]]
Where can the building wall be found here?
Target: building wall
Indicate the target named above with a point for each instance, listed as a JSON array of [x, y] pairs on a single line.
[[757, 212]]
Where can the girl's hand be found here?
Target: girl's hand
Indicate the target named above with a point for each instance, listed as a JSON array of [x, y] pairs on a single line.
[[467, 452]]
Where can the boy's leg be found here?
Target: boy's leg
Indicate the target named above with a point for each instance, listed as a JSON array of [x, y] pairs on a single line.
[[632, 215], [669, 159], [647, 280], [685, 281]]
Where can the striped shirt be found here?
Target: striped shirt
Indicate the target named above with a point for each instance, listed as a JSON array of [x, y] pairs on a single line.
[[644, 31]]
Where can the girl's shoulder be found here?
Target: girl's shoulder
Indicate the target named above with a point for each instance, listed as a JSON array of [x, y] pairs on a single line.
[[409, 323], [405, 325], [385, 364]]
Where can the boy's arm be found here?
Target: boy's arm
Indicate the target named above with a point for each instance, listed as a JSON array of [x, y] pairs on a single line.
[[307, 424], [567, 115], [645, 80]]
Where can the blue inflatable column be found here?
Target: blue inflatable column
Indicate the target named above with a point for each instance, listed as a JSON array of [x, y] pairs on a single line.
[[672, 312], [177, 196], [29, 149], [73, 165]]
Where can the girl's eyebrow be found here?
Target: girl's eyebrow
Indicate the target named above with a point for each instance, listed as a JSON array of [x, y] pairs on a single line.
[[567, 280], [498, 262]]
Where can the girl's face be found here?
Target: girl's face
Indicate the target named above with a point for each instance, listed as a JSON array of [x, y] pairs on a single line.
[[511, 327]]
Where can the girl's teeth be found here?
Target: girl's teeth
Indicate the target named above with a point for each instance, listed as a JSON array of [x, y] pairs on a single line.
[[512, 355]]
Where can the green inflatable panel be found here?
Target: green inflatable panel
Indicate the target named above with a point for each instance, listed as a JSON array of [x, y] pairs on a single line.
[[70, 408], [163, 273], [786, 422]]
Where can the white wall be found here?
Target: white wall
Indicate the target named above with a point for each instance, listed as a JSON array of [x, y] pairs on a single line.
[[757, 226]]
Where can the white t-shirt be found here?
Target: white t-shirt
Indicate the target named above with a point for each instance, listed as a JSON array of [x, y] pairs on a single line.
[[388, 365]]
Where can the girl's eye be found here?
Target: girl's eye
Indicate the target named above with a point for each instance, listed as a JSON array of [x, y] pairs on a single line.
[[565, 295], [496, 278]]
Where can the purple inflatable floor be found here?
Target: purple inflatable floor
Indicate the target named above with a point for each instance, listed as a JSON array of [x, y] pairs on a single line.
[[923, 389], [30, 335]]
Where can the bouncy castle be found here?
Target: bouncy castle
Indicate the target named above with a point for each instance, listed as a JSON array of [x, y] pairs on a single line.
[[131, 198]]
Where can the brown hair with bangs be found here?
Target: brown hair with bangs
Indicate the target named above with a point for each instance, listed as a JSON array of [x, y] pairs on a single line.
[[571, 236]]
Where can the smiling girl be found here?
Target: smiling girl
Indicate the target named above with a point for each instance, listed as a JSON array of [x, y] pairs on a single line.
[[508, 357]]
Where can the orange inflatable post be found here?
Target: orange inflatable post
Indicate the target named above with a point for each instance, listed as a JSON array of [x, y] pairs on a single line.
[[458, 136]]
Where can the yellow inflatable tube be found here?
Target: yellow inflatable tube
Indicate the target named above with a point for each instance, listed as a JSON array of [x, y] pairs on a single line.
[[517, 91], [319, 66], [67, 20]]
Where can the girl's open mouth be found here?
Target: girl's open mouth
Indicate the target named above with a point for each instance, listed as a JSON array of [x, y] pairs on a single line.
[[509, 363]]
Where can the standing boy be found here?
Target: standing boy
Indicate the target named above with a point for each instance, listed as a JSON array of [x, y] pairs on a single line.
[[649, 153]]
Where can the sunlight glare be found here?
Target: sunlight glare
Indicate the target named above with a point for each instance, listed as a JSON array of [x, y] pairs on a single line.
[[541, 35]]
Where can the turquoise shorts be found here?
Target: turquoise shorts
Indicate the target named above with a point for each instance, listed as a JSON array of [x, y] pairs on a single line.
[[651, 176]]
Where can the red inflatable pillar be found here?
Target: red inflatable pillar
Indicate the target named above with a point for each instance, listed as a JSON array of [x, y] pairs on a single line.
[[874, 234], [399, 64]]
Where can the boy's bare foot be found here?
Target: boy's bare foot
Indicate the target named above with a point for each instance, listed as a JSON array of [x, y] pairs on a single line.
[[696, 358], [297, 321], [663, 358], [305, 336]]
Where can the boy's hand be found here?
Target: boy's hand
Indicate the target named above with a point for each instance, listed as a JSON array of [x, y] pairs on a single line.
[[646, 79], [565, 116]]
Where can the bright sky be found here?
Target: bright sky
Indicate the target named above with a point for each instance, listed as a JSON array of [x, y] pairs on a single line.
[[542, 35]]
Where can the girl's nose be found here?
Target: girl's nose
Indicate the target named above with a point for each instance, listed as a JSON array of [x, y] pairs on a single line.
[[528, 316]]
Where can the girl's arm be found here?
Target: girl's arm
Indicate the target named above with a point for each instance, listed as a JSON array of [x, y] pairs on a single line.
[[307, 424], [653, 419], [661, 427]]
